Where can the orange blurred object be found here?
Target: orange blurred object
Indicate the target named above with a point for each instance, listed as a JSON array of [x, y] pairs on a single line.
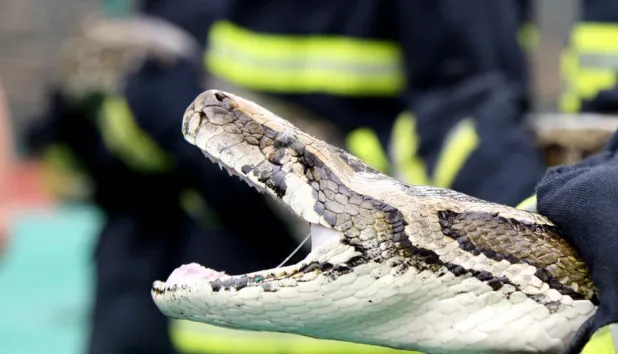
[[26, 187], [26, 191]]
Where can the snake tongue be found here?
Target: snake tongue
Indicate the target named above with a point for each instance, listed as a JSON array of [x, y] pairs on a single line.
[[192, 273]]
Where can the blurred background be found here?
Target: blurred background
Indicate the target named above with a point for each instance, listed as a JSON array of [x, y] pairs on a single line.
[[53, 215]]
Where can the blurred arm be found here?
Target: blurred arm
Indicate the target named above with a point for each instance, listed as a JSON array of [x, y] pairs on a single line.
[[467, 91], [158, 97]]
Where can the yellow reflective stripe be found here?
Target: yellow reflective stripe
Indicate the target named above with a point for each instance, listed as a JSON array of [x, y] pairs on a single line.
[[589, 64], [595, 37], [528, 204], [365, 144], [590, 81], [570, 101], [61, 171], [126, 140], [193, 204], [60, 156], [599, 60], [528, 36], [407, 165], [461, 141], [613, 328], [304, 64], [602, 342], [190, 337]]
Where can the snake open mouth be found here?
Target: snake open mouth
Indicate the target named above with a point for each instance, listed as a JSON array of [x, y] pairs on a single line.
[[195, 273]]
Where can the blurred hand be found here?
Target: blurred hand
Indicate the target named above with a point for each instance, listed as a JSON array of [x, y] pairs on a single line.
[[582, 200]]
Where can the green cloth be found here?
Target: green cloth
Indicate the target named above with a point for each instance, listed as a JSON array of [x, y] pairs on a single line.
[[46, 282]]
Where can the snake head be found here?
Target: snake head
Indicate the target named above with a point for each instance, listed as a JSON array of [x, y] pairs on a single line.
[[321, 184], [307, 175]]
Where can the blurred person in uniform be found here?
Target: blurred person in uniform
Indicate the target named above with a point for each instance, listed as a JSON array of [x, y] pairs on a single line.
[[121, 128], [433, 92], [589, 66], [587, 84]]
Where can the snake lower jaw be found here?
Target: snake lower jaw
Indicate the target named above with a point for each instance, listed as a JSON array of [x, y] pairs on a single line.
[[326, 249]]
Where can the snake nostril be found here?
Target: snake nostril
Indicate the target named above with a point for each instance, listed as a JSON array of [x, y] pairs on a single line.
[[220, 96], [228, 103]]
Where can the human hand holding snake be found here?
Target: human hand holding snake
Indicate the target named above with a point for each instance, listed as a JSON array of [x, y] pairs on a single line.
[[582, 199]]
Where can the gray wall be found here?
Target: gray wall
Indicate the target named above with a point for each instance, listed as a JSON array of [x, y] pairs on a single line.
[[30, 34]]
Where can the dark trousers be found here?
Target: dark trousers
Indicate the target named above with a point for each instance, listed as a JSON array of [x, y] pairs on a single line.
[[135, 251]]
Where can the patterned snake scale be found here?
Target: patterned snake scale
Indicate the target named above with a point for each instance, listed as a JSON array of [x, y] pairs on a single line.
[[393, 265]]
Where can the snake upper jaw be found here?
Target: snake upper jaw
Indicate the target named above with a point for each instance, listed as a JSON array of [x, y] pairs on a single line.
[[226, 128], [260, 148]]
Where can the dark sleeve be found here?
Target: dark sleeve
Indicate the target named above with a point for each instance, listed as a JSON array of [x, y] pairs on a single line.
[[158, 97], [463, 60], [44, 129], [581, 200], [193, 16], [605, 102], [524, 12], [64, 122]]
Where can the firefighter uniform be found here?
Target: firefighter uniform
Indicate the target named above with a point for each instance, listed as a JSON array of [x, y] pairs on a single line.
[[143, 173], [430, 92]]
